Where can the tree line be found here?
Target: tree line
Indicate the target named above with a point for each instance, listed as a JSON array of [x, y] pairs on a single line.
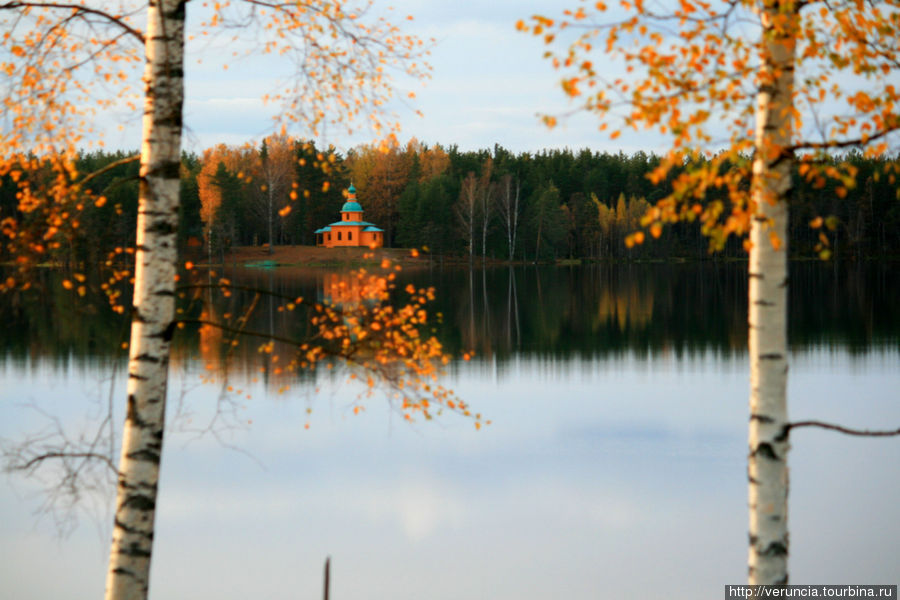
[[493, 204]]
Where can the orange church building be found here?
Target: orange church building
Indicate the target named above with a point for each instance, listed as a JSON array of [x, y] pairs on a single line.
[[351, 230]]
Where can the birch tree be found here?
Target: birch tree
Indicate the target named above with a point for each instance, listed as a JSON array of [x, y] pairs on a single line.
[[748, 92], [486, 201], [508, 205], [466, 212], [153, 306], [276, 158], [53, 52]]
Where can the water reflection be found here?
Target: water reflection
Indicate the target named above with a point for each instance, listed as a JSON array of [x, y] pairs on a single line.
[[615, 467], [551, 312], [586, 312], [657, 309], [585, 487]]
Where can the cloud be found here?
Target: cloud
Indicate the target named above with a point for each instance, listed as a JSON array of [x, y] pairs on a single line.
[[419, 506]]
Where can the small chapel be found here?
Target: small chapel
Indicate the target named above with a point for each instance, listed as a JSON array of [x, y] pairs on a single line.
[[351, 230]]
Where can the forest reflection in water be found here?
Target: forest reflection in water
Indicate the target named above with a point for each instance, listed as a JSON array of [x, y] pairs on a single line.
[[557, 313], [616, 465]]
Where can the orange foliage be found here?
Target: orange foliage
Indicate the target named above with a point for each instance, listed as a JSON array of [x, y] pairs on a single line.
[[64, 64], [238, 160], [693, 74], [381, 340], [379, 172]]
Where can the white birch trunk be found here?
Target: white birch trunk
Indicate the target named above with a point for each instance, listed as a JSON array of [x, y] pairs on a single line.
[[509, 210], [767, 462], [465, 211], [154, 303], [485, 218], [270, 200], [515, 223]]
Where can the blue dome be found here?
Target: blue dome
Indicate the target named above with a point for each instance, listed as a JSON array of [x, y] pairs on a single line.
[[351, 206], [351, 190]]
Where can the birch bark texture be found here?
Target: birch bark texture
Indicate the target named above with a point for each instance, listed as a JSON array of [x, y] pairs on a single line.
[[509, 210], [465, 212], [153, 314], [768, 293]]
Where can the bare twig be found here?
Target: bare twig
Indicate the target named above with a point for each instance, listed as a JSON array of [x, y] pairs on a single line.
[[78, 9], [835, 144], [110, 167], [840, 429], [36, 460]]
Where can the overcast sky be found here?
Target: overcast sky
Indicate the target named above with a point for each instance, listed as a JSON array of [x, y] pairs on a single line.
[[489, 84]]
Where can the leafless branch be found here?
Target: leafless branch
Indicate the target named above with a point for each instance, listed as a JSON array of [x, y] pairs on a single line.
[[835, 144], [840, 429], [36, 460], [110, 167], [78, 9], [70, 469], [241, 331]]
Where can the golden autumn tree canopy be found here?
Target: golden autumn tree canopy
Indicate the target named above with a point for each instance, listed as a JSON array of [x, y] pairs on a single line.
[[66, 65], [691, 72]]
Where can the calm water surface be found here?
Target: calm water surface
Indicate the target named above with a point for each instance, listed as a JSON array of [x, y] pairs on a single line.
[[615, 466]]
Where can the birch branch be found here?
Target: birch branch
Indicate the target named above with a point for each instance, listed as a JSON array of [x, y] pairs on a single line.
[[840, 429]]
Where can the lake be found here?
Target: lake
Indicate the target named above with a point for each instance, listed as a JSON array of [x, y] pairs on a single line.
[[614, 467]]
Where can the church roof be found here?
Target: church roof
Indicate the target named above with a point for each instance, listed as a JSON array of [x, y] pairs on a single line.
[[368, 226], [351, 206], [353, 223]]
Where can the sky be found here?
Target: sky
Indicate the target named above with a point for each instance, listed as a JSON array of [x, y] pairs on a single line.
[[488, 85]]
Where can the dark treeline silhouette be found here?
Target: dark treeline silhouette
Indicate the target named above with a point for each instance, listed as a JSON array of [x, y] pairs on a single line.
[[559, 204], [555, 204]]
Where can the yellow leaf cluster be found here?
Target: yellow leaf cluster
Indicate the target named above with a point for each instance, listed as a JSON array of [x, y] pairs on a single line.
[[693, 72], [361, 323], [64, 64]]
